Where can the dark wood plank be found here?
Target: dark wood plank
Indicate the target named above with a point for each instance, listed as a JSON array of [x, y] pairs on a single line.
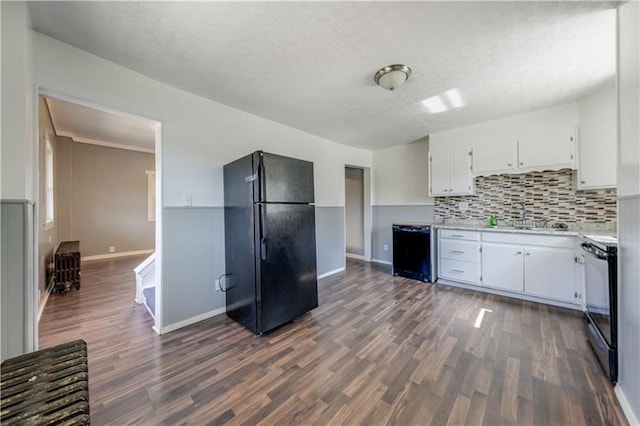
[[379, 350]]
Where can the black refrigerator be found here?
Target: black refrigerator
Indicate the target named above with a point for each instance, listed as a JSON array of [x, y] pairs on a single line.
[[270, 240]]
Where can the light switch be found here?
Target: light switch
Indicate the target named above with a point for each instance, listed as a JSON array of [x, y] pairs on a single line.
[[188, 200]]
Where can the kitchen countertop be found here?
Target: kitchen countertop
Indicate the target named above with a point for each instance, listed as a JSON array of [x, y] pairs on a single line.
[[574, 232], [578, 232]]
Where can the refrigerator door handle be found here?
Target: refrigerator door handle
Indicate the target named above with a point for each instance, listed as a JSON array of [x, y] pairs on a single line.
[[263, 233], [262, 176]]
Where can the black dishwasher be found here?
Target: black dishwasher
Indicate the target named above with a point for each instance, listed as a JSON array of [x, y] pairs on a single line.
[[412, 251]]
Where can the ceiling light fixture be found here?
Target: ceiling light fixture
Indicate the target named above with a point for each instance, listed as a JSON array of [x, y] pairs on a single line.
[[392, 76]]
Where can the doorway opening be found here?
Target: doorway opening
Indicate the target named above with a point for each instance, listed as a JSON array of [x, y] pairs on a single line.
[[97, 174], [357, 213]]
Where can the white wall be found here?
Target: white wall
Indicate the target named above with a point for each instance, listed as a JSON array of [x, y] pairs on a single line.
[[198, 137], [17, 170], [628, 91], [399, 175], [18, 104], [536, 123]]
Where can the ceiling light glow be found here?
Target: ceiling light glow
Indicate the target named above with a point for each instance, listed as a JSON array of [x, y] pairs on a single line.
[[434, 104], [454, 98]]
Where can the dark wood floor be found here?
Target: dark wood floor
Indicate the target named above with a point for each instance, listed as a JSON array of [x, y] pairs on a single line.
[[378, 350]]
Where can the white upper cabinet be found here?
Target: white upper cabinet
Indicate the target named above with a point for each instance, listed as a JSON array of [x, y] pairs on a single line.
[[460, 171], [597, 142], [495, 158], [439, 173], [550, 152], [450, 172], [534, 141], [553, 151]]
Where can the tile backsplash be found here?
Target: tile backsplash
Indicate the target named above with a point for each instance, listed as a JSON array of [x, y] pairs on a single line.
[[547, 196]]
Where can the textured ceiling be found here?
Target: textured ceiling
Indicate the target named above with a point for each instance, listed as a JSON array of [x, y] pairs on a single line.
[[89, 125], [310, 65]]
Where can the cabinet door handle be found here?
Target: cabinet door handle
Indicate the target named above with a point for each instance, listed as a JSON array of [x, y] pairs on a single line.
[[444, 190], [456, 236], [518, 253], [456, 251], [522, 164], [450, 189], [527, 254], [509, 165], [583, 182], [457, 271]]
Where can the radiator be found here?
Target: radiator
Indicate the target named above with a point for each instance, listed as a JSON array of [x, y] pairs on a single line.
[[50, 386], [67, 267]]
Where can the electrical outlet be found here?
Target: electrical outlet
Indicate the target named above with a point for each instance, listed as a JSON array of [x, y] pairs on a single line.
[[463, 206], [188, 200], [385, 247], [112, 249]]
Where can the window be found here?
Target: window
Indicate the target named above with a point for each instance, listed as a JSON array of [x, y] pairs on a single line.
[[151, 195], [48, 182]]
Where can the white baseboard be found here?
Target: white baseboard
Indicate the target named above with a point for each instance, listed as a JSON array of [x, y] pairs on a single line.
[[626, 407], [355, 256], [192, 320], [43, 304], [121, 254], [384, 262], [326, 274]]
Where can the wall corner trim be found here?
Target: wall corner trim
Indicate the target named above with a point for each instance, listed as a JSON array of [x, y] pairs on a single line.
[[192, 320], [326, 274], [626, 407]]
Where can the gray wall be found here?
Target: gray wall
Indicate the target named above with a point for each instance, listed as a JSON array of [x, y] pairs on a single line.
[[629, 300], [197, 256], [354, 210], [16, 274], [384, 217], [329, 239], [628, 91], [197, 259], [47, 238], [109, 198], [63, 187]]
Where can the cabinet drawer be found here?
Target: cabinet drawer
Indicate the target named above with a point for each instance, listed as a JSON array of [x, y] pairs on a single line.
[[457, 270], [456, 234], [467, 251]]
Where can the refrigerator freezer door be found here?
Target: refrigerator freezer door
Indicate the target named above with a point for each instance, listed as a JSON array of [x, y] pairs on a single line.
[[240, 253], [286, 257], [282, 179]]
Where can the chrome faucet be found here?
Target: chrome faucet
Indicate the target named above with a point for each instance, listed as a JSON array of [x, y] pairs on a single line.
[[523, 212]]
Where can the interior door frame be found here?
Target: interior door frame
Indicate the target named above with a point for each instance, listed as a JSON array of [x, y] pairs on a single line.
[[366, 181], [32, 302]]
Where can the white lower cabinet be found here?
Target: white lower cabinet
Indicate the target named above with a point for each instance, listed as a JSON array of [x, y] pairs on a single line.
[[538, 265], [541, 266], [459, 256], [502, 266], [549, 273]]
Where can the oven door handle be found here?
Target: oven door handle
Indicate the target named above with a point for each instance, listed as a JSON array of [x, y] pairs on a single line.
[[593, 251]]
